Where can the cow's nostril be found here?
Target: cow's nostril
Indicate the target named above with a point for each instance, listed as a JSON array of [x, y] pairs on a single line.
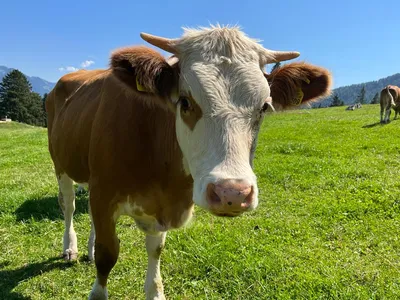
[[212, 195], [229, 203]]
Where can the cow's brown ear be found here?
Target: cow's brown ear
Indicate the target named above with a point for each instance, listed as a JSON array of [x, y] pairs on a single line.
[[298, 83], [144, 70]]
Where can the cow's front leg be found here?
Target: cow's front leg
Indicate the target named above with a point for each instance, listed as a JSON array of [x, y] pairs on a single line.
[[153, 287], [106, 242], [92, 237]]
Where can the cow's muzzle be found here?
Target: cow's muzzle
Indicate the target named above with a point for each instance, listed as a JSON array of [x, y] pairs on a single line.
[[229, 198]]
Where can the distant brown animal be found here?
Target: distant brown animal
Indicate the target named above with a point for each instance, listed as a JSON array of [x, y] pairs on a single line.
[[152, 137], [389, 98]]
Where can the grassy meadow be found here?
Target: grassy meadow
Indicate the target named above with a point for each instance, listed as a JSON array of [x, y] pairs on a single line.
[[327, 226]]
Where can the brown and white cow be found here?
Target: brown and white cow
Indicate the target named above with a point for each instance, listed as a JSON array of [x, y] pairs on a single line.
[[154, 136], [390, 98]]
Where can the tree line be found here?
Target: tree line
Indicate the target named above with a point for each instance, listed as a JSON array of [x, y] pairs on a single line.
[[336, 101], [19, 103]]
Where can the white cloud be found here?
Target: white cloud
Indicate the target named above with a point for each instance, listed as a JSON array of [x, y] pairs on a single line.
[[87, 63], [71, 69], [68, 69], [84, 64]]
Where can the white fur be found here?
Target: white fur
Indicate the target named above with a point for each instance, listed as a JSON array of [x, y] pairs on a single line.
[[220, 69], [148, 224], [186, 217], [92, 237], [70, 249], [153, 286], [98, 292]]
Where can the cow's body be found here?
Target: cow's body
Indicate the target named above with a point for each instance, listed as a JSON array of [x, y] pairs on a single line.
[[116, 145], [389, 98], [116, 140], [150, 157]]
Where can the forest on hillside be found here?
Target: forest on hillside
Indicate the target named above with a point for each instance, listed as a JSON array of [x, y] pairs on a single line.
[[351, 94]]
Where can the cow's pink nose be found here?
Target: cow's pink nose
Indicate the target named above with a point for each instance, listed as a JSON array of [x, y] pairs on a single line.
[[229, 197]]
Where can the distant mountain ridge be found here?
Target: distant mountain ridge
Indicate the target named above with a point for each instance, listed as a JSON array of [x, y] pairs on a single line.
[[346, 93], [39, 85], [349, 93]]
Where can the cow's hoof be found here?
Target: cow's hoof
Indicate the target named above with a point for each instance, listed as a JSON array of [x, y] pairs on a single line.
[[91, 258], [98, 292], [70, 255]]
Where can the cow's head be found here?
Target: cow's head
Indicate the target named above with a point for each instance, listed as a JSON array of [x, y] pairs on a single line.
[[217, 88]]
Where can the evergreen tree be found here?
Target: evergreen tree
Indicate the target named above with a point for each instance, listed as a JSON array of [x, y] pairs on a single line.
[[336, 101], [361, 96], [376, 99], [15, 92], [18, 102], [37, 115], [44, 109]]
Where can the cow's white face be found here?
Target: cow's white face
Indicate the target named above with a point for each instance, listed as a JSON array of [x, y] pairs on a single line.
[[221, 101], [223, 96], [219, 113]]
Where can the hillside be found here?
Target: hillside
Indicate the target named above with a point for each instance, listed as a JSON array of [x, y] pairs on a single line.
[[39, 85], [349, 93]]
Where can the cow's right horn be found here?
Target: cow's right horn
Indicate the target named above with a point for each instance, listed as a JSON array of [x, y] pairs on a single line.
[[160, 42]]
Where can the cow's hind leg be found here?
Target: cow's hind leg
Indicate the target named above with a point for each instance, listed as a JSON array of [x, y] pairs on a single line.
[[66, 199], [382, 114], [387, 115], [154, 287]]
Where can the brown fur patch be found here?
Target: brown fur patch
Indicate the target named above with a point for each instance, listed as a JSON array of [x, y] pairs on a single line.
[[117, 143], [193, 115], [147, 65], [286, 81]]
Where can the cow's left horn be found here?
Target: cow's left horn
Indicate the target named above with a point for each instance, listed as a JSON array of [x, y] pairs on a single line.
[[277, 56], [160, 42]]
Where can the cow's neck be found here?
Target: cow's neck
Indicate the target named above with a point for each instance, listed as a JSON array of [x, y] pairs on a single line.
[[154, 175]]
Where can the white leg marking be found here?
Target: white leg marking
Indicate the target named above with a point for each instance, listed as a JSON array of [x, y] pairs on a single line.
[[98, 292], [387, 117], [153, 287], [92, 237], [67, 193]]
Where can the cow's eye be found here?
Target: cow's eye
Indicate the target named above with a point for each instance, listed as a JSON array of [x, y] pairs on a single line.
[[265, 107], [185, 104], [267, 104]]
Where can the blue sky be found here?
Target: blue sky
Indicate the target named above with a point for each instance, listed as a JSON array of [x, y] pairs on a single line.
[[357, 40]]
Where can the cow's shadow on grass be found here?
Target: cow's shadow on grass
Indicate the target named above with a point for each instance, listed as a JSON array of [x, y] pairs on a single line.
[[379, 123], [373, 125], [9, 279], [48, 208]]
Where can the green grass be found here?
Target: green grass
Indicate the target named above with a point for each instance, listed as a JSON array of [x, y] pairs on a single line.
[[327, 226]]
